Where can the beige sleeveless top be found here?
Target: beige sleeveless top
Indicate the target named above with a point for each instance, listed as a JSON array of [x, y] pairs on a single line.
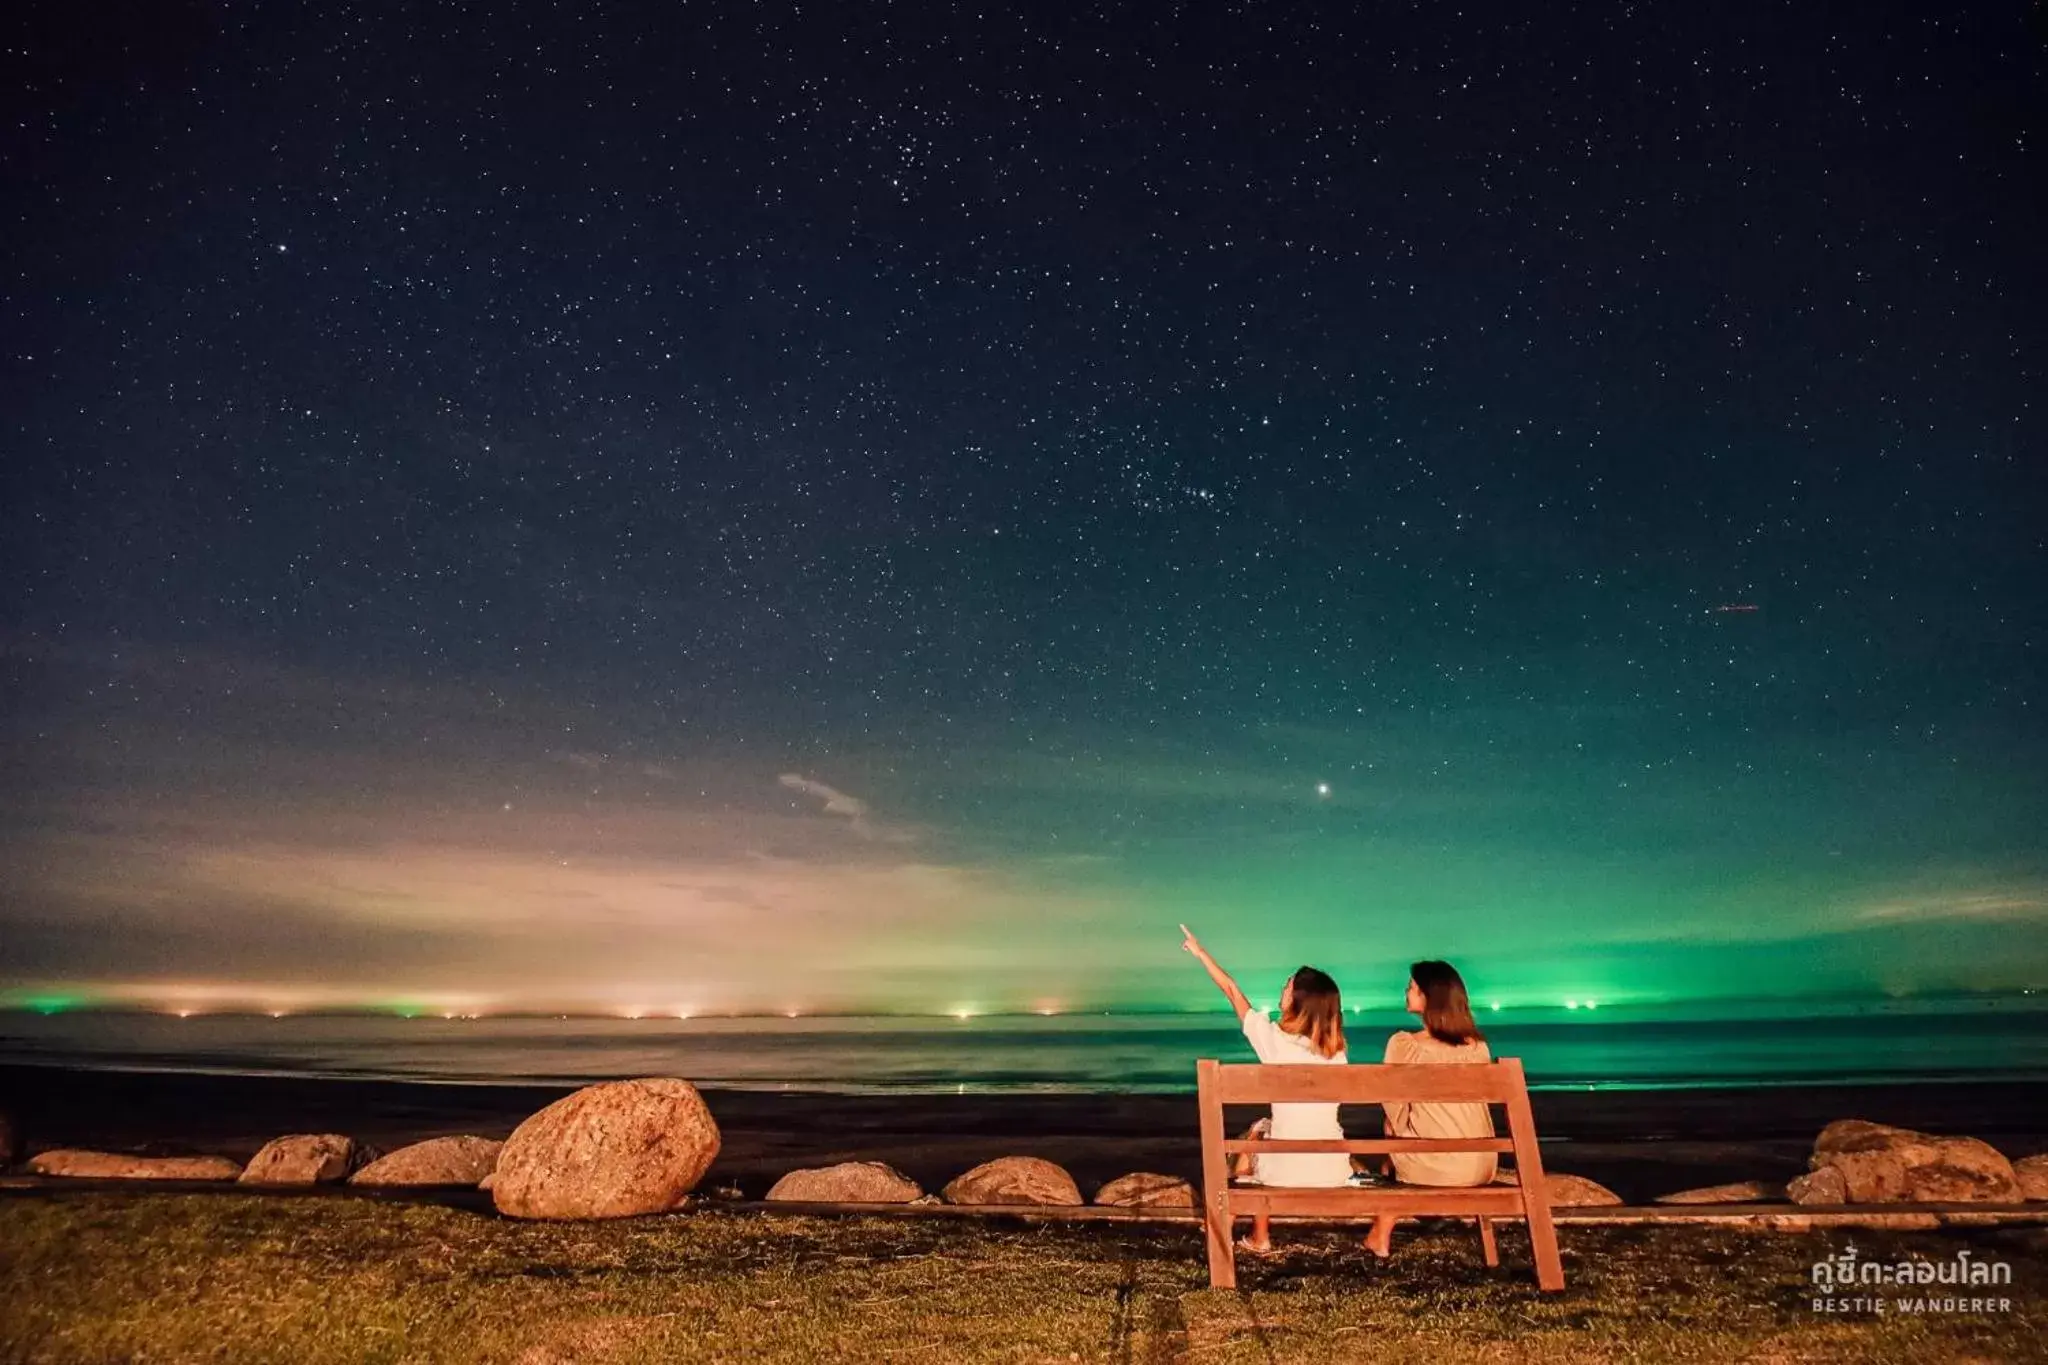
[[1429, 1120]]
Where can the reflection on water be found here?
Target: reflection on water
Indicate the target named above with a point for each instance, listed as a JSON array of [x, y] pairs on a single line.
[[1018, 1053]]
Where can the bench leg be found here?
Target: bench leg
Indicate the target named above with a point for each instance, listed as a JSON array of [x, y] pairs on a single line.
[[1486, 1243], [1217, 1228], [1543, 1244]]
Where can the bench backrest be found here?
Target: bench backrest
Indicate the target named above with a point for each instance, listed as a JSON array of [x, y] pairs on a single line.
[[1477, 1082]]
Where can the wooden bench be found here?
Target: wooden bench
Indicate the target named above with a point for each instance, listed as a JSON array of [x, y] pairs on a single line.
[[1498, 1082]]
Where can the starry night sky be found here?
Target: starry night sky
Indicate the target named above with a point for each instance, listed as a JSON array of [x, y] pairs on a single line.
[[881, 506]]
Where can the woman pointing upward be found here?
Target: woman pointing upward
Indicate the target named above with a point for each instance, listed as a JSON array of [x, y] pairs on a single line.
[[1310, 1032]]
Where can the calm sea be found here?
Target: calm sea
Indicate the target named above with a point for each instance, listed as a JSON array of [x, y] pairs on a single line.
[[1099, 1053]]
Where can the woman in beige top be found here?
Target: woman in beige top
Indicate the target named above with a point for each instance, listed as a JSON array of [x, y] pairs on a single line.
[[1448, 1035]]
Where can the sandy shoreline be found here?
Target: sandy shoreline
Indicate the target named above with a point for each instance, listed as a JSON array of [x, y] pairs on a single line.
[[1640, 1143]]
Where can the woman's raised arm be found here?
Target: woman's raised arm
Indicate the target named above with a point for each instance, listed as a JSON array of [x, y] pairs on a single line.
[[1216, 973]]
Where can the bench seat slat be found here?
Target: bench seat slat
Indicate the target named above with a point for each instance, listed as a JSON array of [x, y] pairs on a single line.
[[1368, 1146], [1449, 1201]]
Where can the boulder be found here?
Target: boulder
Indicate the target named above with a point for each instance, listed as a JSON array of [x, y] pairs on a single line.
[[850, 1182], [1824, 1186], [437, 1161], [1741, 1192], [1014, 1180], [120, 1166], [2032, 1174], [1566, 1191], [1147, 1190], [10, 1140], [301, 1159], [608, 1151], [1883, 1165]]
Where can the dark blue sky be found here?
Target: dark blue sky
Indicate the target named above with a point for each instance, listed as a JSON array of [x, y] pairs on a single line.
[[448, 446]]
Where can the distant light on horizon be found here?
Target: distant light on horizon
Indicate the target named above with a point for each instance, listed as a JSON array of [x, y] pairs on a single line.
[[963, 1014], [1494, 1005], [1592, 1004], [1571, 1004]]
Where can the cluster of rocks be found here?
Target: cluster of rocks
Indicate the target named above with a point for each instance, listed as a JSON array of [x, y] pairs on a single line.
[[608, 1151], [1029, 1181], [1007, 1181], [1855, 1161], [296, 1160], [634, 1147], [1858, 1162]]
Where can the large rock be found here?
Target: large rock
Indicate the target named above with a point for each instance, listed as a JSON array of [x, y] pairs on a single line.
[[1146, 1190], [1824, 1186], [1741, 1192], [1884, 1165], [2032, 1173], [1566, 1191], [850, 1182], [608, 1151], [81, 1165], [1014, 1180], [301, 1159], [437, 1161]]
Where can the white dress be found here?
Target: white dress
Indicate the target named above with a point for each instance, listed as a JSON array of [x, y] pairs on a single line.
[[1322, 1169]]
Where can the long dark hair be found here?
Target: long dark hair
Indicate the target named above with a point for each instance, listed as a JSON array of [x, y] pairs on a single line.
[[1446, 1010], [1315, 1011]]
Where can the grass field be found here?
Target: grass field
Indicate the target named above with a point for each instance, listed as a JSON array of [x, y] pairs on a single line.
[[93, 1277]]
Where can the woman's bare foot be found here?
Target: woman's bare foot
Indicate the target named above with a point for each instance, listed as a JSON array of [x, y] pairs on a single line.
[[1380, 1240], [1254, 1248]]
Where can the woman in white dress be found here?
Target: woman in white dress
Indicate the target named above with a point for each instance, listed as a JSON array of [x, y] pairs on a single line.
[[1310, 1032], [1448, 1036]]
